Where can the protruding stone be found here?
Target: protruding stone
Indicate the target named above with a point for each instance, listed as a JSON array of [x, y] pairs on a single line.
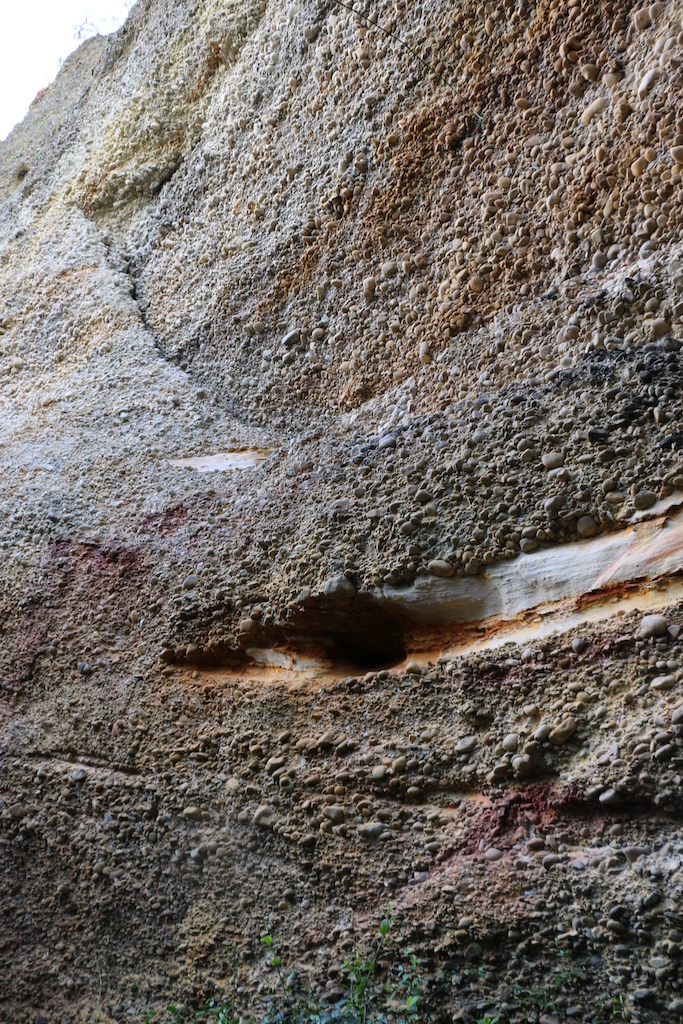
[[264, 816], [594, 108], [641, 18], [554, 505], [493, 854], [552, 460], [291, 338], [653, 625], [340, 590], [440, 567], [466, 745], [425, 353], [334, 813], [663, 682], [586, 526], [561, 733], [371, 830], [644, 499]]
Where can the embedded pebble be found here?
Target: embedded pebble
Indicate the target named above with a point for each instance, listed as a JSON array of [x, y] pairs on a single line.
[[369, 287], [552, 460], [264, 816], [594, 108], [334, 813], [663, 682], [492, 854], [466, 745], [439, 567], [371, 830], [653, 625], [340, 590], [586, 526], [562, 732], [644, 499]]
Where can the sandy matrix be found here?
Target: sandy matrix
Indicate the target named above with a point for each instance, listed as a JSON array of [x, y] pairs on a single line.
[[341, 511]]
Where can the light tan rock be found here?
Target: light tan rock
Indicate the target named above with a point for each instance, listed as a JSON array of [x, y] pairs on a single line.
[[594, 109], [562, 732]]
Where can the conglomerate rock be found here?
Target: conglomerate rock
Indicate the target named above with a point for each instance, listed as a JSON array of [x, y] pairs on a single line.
[[341, 411]]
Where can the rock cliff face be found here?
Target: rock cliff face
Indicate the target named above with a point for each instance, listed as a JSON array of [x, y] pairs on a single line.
[[341, 409]]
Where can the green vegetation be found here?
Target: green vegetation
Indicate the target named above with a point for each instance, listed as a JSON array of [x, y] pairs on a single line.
[[373, 989], [376, 985]]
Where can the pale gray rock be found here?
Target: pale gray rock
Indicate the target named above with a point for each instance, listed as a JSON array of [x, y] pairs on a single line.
[[653, 625], [371, 830], [264, 816], [340, 590]]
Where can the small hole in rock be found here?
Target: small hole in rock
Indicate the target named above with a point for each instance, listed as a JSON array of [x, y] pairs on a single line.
[[369, 652], [362, 634]]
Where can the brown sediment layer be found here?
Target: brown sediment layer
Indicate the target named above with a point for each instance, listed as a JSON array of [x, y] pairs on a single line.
[[546, 592]]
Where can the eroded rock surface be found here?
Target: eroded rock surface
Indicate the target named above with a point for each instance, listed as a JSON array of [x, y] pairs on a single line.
[[341, 441]]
